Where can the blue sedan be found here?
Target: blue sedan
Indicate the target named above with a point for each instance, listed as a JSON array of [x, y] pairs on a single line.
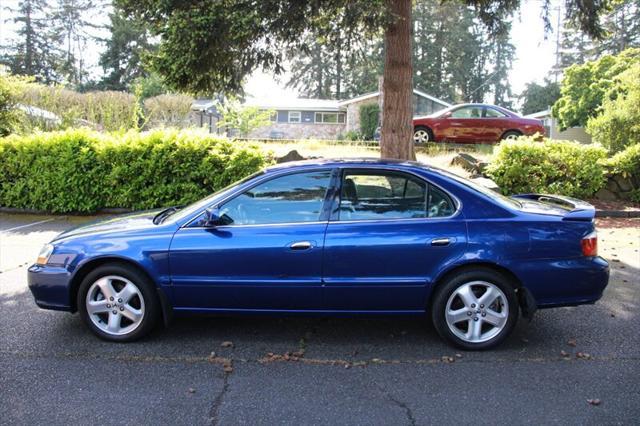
[[332, 237]]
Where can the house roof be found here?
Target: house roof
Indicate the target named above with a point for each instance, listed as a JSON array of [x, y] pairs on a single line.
[[297, 104], [203, 105], [540, 114], [375, 94]]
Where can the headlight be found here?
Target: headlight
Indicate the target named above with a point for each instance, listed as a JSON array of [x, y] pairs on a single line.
[[45, 254]]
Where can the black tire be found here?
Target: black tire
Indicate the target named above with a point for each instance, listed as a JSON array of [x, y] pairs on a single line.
[[444, 292], [146, 288], [423, 128], [510, 134]]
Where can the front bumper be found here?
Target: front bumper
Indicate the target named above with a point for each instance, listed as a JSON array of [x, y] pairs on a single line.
[[50, 286]]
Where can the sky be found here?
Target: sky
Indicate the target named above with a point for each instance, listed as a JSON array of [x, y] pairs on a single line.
[[535, 54]]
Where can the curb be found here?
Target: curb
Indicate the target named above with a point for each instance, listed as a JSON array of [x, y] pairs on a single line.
[[13, 210], [626, 214]]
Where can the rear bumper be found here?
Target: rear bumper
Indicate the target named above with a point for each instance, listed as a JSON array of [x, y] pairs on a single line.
[[566, 282], [50, 287]]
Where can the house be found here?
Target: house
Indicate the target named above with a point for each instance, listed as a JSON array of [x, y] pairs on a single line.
[[300, 119], [553, 131], [423, 104], [324, 118]]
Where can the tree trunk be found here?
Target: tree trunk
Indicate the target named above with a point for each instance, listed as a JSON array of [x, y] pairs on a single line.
[[396, 139]]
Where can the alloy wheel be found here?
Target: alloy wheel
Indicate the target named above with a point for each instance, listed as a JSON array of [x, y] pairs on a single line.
[[477, 311], [115, 305], [421, 136]]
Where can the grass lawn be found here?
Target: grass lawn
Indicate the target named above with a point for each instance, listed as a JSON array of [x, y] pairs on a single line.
[[437, 155]]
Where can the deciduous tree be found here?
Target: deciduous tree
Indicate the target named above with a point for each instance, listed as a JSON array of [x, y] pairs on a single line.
[[539, 97]]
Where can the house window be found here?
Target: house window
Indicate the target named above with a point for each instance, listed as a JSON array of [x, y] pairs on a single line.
[[330, 117], [294, 116]]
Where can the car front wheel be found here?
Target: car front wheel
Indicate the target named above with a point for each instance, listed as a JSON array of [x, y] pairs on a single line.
[[118, 303], [422, 135], [475, 309]]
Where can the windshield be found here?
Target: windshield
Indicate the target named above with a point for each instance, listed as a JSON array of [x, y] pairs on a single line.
[[505, 201], [198, 205]]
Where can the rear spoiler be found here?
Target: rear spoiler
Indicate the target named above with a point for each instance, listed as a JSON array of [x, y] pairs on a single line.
[[577, 209]]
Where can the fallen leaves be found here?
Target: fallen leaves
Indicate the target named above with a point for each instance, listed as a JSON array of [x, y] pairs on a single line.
[[191, 390], [583, 355], [594, 401], [572, 342], [227, 344], [448, 359]]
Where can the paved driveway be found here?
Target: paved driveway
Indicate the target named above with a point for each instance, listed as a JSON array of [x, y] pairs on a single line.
[[316, 371]]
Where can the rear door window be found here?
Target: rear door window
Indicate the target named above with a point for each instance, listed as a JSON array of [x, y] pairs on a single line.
[[370, 195]]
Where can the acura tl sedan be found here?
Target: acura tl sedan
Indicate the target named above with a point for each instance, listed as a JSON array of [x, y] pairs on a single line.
[[474, 123], [332, 237]]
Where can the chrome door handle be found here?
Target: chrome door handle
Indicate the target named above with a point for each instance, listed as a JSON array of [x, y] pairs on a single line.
[[441, 241], [301, 245]]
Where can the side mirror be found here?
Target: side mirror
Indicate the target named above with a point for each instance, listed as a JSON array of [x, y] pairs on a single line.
[[211, 217]]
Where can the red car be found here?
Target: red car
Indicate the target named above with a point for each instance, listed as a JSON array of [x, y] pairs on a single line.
[[473, 123]]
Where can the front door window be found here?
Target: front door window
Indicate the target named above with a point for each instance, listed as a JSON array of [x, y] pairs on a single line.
[[292, 198]]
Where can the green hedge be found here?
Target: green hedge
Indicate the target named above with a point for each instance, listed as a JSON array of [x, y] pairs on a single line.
[[626, 163], [84, 171], [556, 167]]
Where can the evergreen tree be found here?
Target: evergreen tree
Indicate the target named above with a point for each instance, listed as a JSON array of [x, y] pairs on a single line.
[[503, 53], [33, 52], [621, 27], [454, 57], [71, 20], [122, 59]]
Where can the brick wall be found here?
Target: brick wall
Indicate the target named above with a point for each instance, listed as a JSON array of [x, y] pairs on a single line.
[[300, 131]]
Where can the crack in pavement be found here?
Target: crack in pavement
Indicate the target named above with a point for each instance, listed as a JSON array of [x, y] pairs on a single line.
[[405, 407], [217, 402]]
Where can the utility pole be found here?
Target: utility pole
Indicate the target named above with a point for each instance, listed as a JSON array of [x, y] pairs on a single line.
[[557, 66]]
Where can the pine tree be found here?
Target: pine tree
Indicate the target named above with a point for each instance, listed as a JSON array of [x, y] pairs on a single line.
[[70, 20], [33, 52], [503, 53], [621, 31], [122, 59]]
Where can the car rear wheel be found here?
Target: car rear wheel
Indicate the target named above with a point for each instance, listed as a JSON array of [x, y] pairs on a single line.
[[475, 309], [118, 303], [511, 135], [422, 135]]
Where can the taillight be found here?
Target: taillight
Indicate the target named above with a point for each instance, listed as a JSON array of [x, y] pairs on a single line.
[[590, 244]]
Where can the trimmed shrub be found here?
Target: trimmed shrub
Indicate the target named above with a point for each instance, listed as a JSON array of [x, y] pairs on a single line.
[[627, 164], [10, 115], [554, 167], [83, 170], [104, 110], [168, 110], [351, 135], [369, 119]]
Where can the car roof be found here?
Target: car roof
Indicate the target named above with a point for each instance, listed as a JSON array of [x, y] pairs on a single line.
[[342, 162]]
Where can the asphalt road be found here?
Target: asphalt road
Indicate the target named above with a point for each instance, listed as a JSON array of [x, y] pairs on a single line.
[[316, 371]]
